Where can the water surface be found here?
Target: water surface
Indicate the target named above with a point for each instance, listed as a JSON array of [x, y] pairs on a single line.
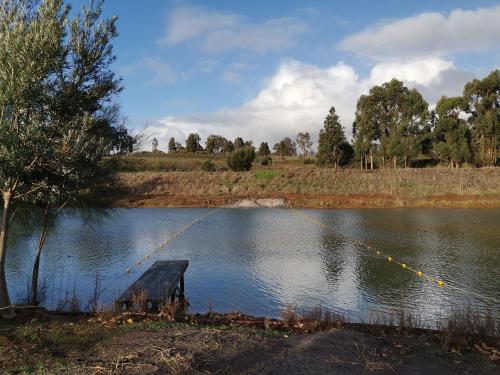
[[261, 261]]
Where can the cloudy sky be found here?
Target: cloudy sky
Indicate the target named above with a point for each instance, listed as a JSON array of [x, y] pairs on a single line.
[[268, 69]]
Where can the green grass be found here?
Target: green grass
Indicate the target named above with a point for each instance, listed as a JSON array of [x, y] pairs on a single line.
[[265, 175]]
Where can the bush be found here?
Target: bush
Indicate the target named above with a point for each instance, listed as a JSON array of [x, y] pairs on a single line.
[[241, 159], [308, 161], [266, 160], [208, 166]]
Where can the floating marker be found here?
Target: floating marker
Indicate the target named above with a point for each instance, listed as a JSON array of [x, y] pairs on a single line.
[[138, 263], [127, 270], [378, 252], [389, 259], [440, 283], [403, 265], [419, 274]]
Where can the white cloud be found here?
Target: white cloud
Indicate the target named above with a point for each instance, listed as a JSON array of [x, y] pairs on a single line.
[[216, 31], [298, 96], [160, 71], [429, 34]]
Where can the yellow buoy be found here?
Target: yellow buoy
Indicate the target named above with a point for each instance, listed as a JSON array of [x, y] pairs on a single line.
[[419, 274], [440, 283], [403, 265], [389, 259], [378, 252]]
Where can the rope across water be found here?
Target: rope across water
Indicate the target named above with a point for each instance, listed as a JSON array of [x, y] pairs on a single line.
[[437, 281]]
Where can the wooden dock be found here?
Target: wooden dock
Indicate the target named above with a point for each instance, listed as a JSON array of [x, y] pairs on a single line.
[[162, 282]]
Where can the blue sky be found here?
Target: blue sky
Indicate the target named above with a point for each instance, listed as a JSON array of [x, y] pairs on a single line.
[[265, 70]]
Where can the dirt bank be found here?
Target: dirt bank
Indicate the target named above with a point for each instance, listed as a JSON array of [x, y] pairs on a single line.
[[311, 201], [52, 344], [312, 187], [233, 344]]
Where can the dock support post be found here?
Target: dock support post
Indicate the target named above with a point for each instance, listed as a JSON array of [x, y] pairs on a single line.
[[181, 288]]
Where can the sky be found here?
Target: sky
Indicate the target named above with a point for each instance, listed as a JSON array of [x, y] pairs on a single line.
[[264, 70]]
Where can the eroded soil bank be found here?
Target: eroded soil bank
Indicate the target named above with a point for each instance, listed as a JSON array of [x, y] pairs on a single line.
[[62, 344], [311, 187]]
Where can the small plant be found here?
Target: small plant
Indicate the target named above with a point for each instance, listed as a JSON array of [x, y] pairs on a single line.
[[266, 160], [208, 166], [241, 159]]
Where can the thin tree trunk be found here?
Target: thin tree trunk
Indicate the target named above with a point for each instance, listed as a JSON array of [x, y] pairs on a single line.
[[395, 163], [4, 293], [361, 162], [371, 162], [36, 264], [366, 162]]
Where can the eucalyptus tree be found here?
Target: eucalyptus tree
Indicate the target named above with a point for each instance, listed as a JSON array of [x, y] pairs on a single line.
[[451, 132], [285, 147], [216, 144], [483, 99], [332, 148], [304, 142], [389, 122], [56, 94], [238, 143], [193, 143]]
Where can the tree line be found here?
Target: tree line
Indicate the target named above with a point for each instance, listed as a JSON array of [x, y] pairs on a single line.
[[393, 128]]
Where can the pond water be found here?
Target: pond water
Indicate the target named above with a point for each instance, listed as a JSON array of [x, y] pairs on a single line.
[[262, 261]]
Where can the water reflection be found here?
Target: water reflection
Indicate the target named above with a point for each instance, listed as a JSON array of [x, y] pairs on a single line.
[[264, 260]]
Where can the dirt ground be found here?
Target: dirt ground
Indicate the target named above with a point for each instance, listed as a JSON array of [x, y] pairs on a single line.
[[89, 346]]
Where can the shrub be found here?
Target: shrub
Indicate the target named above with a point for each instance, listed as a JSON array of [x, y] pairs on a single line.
[[208, 166], [308, 161], [241, 159], [266, 160]]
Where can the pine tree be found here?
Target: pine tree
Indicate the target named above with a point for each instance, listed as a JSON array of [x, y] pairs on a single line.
[[264, 149], [332, 140], [171, 145]]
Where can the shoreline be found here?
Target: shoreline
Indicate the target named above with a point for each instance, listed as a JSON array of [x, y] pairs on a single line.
[[326, 201], [138, 342]]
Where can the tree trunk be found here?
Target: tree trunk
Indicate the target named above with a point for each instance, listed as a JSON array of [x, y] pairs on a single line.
[[371, 162], [366, 162], [36, 264], [361, 162], [405, 162], [4, 293], [395, 163]]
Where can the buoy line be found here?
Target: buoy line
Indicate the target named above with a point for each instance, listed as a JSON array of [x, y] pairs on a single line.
[[440, 283]]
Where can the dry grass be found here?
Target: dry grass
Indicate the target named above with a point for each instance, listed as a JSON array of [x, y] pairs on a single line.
[[310, 185], [466, 329]]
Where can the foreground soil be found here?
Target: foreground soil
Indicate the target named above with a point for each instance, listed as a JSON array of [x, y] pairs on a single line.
[[310, 186], [53, 344]]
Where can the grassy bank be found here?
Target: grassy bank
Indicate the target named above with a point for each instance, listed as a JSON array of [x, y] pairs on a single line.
[[138, 343], [304, 185]]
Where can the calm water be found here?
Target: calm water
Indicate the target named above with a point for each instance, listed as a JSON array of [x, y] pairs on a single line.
[[264, 260]]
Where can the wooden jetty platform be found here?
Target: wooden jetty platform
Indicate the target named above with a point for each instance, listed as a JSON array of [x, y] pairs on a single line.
[[163, 281]]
